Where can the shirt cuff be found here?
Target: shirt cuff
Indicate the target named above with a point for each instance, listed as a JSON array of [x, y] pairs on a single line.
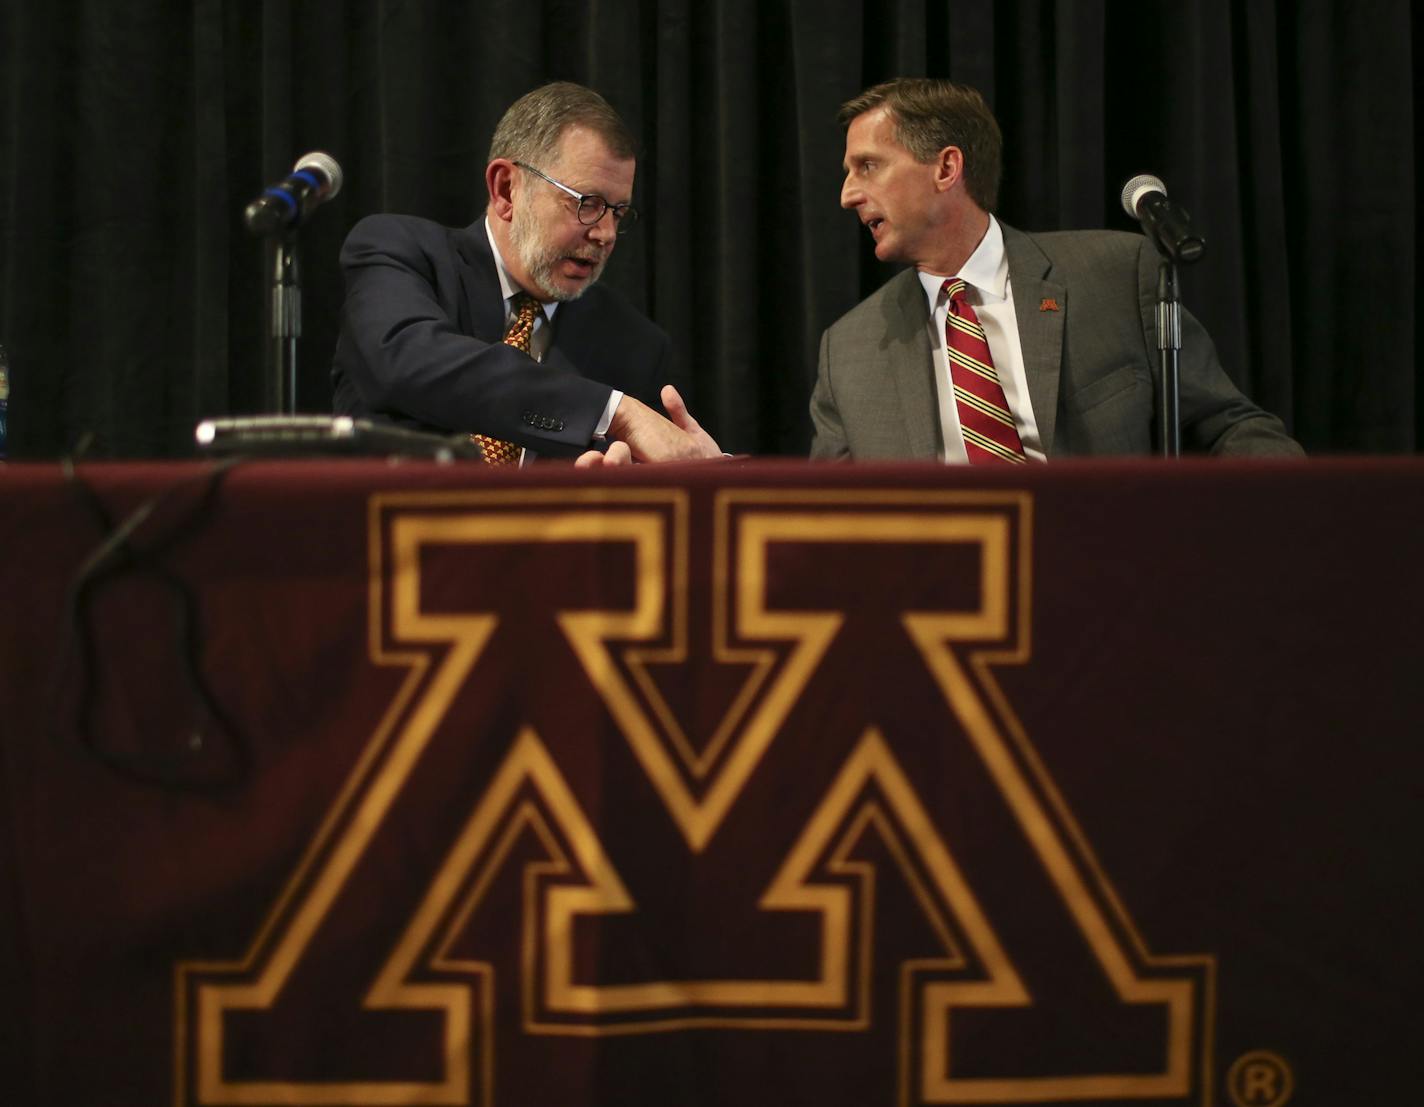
[[602, 428]]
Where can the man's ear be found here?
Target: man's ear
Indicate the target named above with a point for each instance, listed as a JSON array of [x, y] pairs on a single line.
[[949, 168], [499, 179]]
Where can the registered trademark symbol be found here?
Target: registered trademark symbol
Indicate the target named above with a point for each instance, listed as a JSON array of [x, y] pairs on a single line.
[[1260, 1079]]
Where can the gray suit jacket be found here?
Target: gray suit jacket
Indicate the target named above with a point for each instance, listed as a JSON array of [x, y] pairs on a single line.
[[1086, 308]]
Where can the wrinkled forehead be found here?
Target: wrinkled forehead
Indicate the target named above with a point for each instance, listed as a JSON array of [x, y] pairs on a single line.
[[585, 162]]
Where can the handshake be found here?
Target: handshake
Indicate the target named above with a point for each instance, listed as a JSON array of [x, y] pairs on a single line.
[[638, 433]]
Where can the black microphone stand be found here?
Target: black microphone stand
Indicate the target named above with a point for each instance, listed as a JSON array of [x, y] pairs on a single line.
[[1169, 348], [1173, 248], [1169, 229], [279, 393]]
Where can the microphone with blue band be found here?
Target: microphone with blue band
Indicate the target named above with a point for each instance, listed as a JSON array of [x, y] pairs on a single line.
[[315, 179]]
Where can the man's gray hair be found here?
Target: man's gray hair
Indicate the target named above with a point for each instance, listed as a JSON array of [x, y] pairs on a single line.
[[534, 124]]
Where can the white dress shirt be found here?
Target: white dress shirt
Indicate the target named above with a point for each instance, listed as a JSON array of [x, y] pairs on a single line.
[[989, 290], [542, 336]]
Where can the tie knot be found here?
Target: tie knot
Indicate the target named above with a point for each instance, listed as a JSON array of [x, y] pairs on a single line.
[[521, 327], [954, 288]]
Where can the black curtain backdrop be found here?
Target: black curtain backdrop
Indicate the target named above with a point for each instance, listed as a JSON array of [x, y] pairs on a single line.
[[132, 134]]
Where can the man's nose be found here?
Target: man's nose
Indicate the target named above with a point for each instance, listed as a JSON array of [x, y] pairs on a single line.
[[604, 231], [851, 196]]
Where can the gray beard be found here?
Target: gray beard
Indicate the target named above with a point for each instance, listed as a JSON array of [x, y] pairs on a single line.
[[539, 260]]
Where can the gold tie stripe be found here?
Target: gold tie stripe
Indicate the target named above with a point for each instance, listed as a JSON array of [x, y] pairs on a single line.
[[496, 451], [984, 417]]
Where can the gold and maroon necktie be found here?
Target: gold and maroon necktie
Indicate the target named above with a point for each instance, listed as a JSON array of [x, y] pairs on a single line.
[[497, 451], [990, 436]]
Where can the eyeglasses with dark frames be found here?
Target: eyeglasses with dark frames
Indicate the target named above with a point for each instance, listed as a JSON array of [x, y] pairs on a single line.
[[591, 208]]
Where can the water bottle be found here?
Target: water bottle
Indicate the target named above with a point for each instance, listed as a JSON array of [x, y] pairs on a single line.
[[4, 398]]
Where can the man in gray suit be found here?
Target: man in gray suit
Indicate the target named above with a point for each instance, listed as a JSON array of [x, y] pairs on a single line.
[[998, 345]]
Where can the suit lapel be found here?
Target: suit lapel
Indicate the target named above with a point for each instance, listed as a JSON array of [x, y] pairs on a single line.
[[1041, 308], [554, 354], [911, 363], [482, 304]]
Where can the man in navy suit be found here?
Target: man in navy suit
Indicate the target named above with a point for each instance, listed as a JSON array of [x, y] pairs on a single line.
[[428, 307]]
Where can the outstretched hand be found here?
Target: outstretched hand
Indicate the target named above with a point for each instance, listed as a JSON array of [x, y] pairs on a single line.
[[650, 437], [683, 420]]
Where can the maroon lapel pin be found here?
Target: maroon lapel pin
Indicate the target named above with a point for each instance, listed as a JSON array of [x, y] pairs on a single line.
[[1048, 303]]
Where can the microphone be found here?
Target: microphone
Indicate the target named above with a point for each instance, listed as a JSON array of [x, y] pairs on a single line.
[[315, 179], [1169, 226]]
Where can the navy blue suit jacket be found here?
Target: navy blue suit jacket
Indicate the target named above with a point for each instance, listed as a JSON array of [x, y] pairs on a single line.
[[420, 343]]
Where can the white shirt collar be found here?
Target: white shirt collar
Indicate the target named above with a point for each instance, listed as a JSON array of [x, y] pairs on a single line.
[[507, 286], [987, 270]]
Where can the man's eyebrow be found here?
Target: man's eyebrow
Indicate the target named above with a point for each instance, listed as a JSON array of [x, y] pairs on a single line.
[[582, 191]]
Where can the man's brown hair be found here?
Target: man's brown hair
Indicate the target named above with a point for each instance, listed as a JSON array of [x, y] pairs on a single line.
[[931, 114]]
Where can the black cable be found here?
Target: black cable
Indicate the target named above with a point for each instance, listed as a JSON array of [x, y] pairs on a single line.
[[199, 764]]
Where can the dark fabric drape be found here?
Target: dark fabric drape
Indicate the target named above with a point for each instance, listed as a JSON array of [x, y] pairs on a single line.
[[132, 135]]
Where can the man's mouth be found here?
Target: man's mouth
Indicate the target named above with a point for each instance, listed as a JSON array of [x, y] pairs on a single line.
[[873, 224], [576, 266]]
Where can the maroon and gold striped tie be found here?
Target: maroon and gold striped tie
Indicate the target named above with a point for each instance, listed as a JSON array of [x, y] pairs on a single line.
[[990, 436], [497, 451]]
